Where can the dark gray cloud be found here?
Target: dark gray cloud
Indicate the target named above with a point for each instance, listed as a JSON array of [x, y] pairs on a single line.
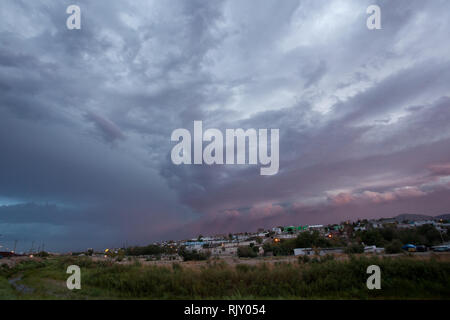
[[86, 115]]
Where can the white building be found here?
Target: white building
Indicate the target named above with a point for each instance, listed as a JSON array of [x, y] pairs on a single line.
[[373, 249], [302, 251], [276, 230]]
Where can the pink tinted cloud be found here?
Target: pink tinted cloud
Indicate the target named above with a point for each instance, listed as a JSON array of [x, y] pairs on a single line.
[[376, 197], [342, 198], [441, 169], [267, 210]]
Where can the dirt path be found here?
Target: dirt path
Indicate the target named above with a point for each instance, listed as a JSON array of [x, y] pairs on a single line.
[[20, 287]]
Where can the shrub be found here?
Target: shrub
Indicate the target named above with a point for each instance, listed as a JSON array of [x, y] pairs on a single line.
[[193, 255], [246, 252], [354, 248], [327, 257], [283, 248], [42, 254], [395, 246], [303, 259], [147, 250], [311, 239]]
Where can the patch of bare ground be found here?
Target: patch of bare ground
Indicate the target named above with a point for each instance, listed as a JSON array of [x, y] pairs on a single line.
[[12, 261]]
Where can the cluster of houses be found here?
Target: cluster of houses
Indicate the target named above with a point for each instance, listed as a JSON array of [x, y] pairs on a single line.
[[227, 245]]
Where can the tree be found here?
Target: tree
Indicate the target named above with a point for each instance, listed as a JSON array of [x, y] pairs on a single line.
[[372, 238], [311, 239], [431, 234]]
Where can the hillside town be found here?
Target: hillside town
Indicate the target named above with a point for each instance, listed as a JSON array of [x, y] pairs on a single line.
[[391, 235], [280, 259]]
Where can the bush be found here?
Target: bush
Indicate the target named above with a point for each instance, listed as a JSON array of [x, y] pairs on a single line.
[[426, 234], [303, 259], [283, 248], [311, 239], [327, 257], [354, 248], [147, 250], [395, 246], [42, 254], [246, 252], [193, 255]]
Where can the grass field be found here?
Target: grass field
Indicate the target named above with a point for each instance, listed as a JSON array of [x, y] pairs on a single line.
[[401, 278]]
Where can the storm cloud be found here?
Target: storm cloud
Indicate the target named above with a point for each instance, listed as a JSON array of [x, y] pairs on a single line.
[[86, 116]]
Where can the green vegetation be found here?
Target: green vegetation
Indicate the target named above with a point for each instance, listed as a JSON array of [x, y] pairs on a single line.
[[303, 240], [42, 254], [149, 250], [354, 248], [193, 255], [427, 235], [389, 237], [395, 246], [324, 278], [6, 290], [247, 252]]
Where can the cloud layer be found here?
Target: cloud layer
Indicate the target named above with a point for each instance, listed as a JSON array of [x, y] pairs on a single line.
[[86, 116]]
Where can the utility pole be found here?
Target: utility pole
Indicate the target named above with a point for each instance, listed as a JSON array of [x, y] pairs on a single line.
[[32, 247], [15, 245]]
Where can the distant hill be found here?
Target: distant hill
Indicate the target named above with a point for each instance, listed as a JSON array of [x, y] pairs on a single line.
[[444, 216], [412, 217], [419, 217]]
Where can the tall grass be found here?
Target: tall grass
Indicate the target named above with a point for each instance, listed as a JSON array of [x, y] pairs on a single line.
[[401, 278], [316, 279]]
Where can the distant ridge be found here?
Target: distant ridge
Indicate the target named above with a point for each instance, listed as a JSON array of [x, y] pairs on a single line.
[[444, 216], [419, 217]]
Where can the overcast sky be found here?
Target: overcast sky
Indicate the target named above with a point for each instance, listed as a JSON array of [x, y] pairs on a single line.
[[86, 116]]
